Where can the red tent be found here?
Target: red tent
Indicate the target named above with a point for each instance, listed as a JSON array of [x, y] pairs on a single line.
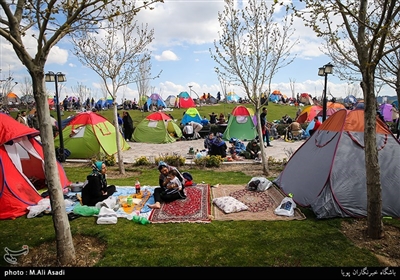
[[308, 113], [184, 100], [21, 160]]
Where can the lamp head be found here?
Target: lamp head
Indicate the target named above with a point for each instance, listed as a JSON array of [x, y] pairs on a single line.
[[328, 68], [321, 71]]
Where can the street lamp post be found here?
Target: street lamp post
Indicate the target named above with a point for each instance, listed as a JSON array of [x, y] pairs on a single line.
[[324, 71], [58, 77]]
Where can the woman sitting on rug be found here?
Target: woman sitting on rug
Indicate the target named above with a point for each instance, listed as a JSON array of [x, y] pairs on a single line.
[[96, 189], [164, 192]]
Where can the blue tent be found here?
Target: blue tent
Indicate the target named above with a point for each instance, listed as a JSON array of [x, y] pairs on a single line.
[[156, 100], [191, 115], [350, 99]]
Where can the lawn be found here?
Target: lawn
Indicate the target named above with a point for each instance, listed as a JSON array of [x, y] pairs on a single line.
[[306, 243]]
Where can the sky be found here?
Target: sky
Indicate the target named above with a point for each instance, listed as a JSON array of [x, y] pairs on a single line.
[[184, 32]]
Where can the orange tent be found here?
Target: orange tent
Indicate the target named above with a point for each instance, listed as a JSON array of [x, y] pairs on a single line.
[[335, 105], [12, 98]]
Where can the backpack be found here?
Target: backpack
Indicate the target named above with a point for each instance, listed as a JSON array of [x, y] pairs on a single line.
[[187, 179]]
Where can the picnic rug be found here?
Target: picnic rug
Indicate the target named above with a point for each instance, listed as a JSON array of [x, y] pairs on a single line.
[[261, 204], [195, 208]]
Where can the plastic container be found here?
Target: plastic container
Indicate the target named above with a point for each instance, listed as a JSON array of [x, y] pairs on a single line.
[[129, 201], [76, 187]]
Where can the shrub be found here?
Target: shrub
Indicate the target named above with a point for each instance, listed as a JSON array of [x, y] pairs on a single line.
[[109, 160], [174, 160], [209, 161], [142, 161]]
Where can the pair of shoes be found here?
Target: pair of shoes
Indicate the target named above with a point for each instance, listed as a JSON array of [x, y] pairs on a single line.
[[269, 145]]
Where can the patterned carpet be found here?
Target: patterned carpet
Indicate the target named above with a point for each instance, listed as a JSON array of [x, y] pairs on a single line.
[[194, 209], [261, 204]]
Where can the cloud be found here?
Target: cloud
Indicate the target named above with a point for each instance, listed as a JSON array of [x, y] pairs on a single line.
[[166, 56]]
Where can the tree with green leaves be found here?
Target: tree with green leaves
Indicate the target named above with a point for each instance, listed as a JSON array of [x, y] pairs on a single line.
[[254, 44], [48, 22], [357, 36]]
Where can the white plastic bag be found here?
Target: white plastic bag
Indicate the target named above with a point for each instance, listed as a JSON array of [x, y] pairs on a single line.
[[259, 184], [286, 208]]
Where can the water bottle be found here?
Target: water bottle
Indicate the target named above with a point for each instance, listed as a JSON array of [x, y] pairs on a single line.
[[137, 186], [140, 220]]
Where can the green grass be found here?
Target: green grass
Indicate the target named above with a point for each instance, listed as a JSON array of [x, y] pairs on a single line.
[[306, 243]]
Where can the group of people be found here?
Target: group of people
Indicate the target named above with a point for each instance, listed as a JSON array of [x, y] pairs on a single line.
[[171, 185], [216, 146], [191, 130]]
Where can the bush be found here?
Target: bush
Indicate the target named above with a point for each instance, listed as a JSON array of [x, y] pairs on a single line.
[[142, 161], [109, 160], [174, 160], [209, 161]]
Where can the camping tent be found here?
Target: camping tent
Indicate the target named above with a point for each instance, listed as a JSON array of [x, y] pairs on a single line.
[[184, 100], [21, 160], [306, 99], [308, 113], [103, 103], [89, 134], [240, 125], [232, 97], [155, 100], [157, 128], [275, 96], [170, 101], [386, 111], [12, 98], [191, 115], [333, 180], [350, 99]]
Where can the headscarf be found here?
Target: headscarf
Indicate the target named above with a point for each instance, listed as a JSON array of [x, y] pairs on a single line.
[[97, 166], [161, 164]]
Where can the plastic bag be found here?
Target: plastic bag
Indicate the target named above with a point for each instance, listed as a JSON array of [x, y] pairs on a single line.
[[85, 210], [286, 208], [259, 184]]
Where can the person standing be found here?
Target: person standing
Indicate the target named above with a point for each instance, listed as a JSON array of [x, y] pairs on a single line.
[[128, 126], [264, 127]]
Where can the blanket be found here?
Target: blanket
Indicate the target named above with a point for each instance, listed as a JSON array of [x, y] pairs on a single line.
[[261, 204], [195, 208], [122, 192]]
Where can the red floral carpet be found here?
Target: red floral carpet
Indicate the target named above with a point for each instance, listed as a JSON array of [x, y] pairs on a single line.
[[195, 208]]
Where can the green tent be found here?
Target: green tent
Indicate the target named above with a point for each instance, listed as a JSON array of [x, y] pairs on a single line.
[[89, 134], [240, 125], [157, 128]]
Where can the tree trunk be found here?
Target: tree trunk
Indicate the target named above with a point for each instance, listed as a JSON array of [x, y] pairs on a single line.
[[121, 166], [263, 149], [374, 191], [65, 246]]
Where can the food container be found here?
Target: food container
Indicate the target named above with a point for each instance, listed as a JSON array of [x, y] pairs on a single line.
[[76, 187]]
